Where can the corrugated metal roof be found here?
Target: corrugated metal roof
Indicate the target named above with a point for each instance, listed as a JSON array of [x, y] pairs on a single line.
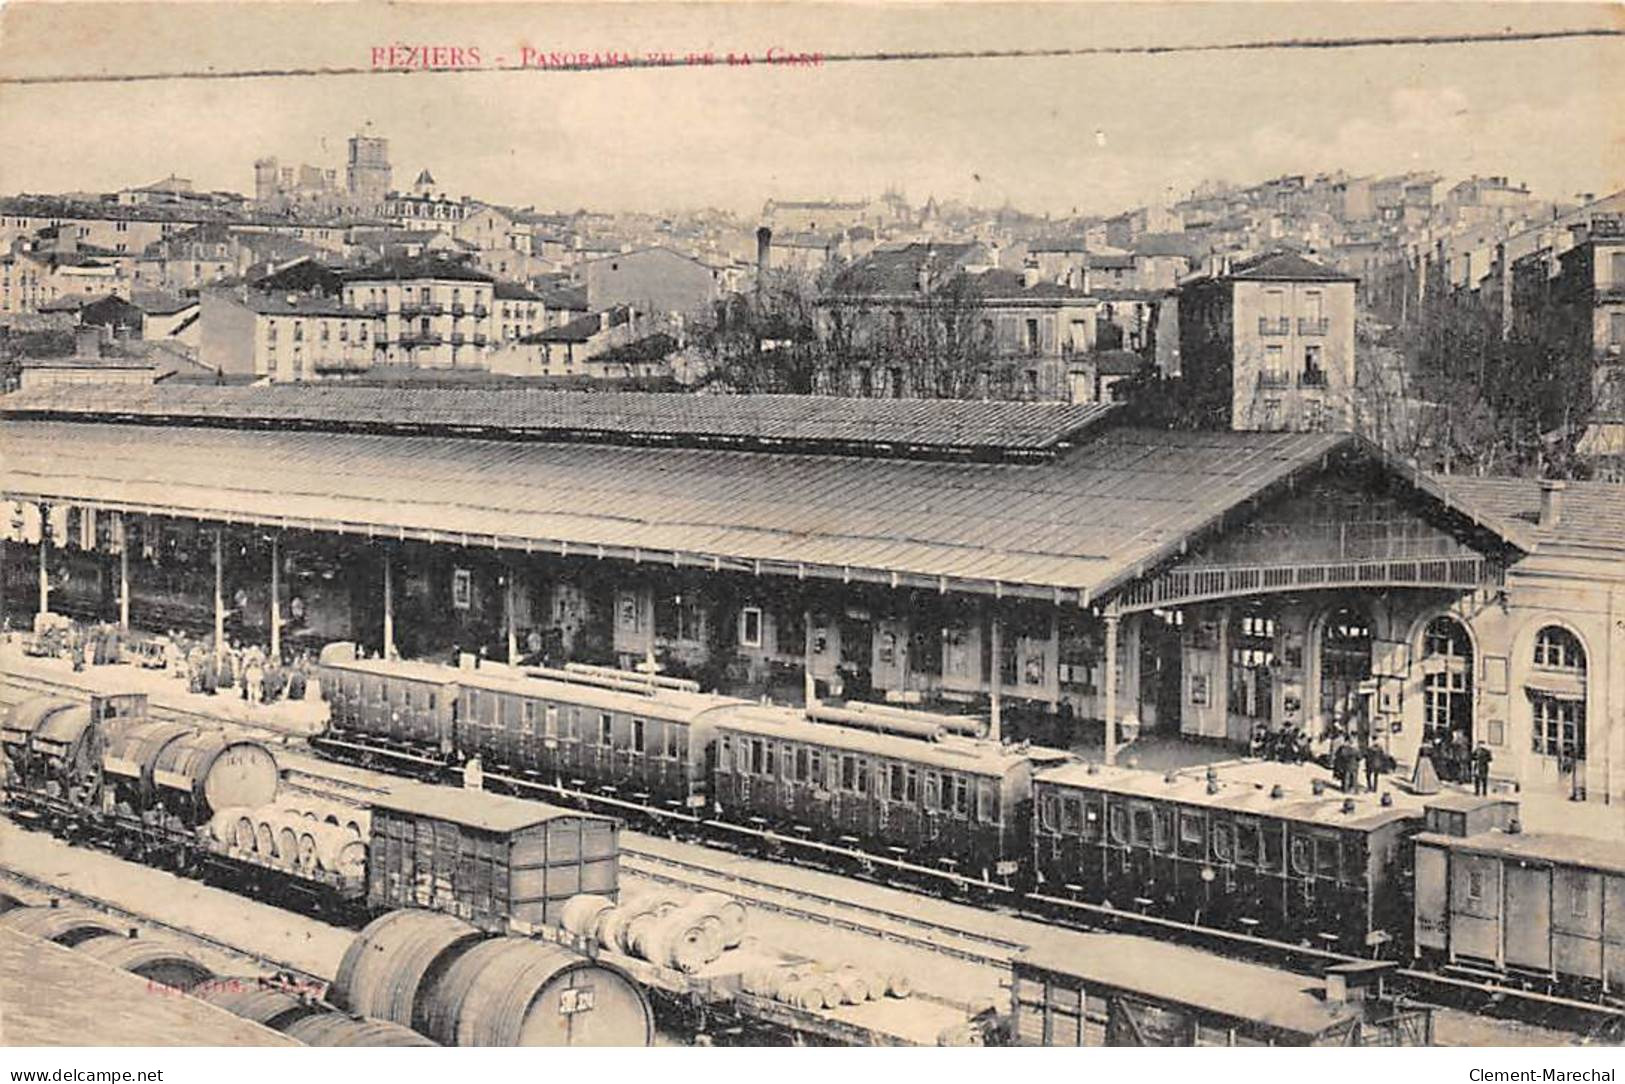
[[1084, 521], [799, 419]]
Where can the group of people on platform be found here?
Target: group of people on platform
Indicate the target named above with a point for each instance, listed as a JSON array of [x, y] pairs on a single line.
[[1345, 756], [1454, 759], [1457, 760], [252, 672]]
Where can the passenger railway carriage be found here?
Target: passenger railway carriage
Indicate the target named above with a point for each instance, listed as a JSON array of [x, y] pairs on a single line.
[[955, 806], [646, 744], [1307, 865]]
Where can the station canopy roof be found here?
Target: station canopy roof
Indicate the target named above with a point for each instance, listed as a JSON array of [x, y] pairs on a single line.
[[934, 428], [1072, 524], [1100, 507]]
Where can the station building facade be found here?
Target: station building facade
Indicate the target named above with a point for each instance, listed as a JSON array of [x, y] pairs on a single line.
[[1036, 563]]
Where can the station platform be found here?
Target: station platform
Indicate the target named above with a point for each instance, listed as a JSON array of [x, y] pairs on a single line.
[[297, 718], [54, 996]]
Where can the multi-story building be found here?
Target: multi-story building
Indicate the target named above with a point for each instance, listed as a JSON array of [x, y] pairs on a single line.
[[517, 311], [614, 344], [426, 206], [1269, 345], [650, 280], [1576, 298], [914, 317], [427, 313], [248, 334]]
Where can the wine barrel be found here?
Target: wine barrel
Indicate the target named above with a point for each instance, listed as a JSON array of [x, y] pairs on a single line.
[[580, 914], [245, 835], [335, 850], [216, 771], [730, 911], [68, 926], [853, 986], [276, 1009], [155, 961], [386, 969], [338, 1029], [898, 985], [512, 992], [223, 825], [685, 938]]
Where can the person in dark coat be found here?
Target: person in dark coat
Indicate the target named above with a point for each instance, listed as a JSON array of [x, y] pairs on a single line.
[[1376, 762], [1345, 764], [1481, 769]]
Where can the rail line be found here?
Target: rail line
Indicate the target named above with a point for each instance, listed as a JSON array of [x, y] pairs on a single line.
[[36, 885], [1479, 996]]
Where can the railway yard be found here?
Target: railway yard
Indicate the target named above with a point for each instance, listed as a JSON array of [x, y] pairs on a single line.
[[951, 958]]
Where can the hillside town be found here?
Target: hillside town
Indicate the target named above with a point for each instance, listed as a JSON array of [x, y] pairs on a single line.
[[1314, 297], [1071, 525]]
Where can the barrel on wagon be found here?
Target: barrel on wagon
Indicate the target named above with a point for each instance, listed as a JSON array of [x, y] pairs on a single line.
[[509, 991], [501, 863]]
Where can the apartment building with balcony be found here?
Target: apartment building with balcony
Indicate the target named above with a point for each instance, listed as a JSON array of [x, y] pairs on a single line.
[[1271, 341], [427, 313]]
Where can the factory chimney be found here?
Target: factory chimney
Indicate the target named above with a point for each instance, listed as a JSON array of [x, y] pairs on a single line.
[[764, 257]]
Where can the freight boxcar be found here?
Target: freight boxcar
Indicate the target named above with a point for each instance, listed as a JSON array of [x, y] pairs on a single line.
[[1073, 989], [951, 807], [1286, 860], [500, 863], [1549, 909]]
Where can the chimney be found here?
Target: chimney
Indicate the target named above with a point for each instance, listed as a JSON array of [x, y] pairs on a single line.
[[87, 342], [1551, 503], [1029, 277], [764, 255]]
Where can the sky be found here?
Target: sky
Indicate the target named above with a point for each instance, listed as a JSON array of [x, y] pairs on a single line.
[[1091, 134]]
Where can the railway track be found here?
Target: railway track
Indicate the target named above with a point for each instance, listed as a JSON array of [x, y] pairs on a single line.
[[305, 773], [215, 946]]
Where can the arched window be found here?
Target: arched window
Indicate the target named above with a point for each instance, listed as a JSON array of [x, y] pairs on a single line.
[[1447, 681], [1557, 695], [1556, 648]]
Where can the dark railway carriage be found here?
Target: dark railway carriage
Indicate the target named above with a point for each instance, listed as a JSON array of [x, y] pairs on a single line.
[[954, 807], [1324, 869], [644, 746], [405, 705], [1549, 909], [647, 746]]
